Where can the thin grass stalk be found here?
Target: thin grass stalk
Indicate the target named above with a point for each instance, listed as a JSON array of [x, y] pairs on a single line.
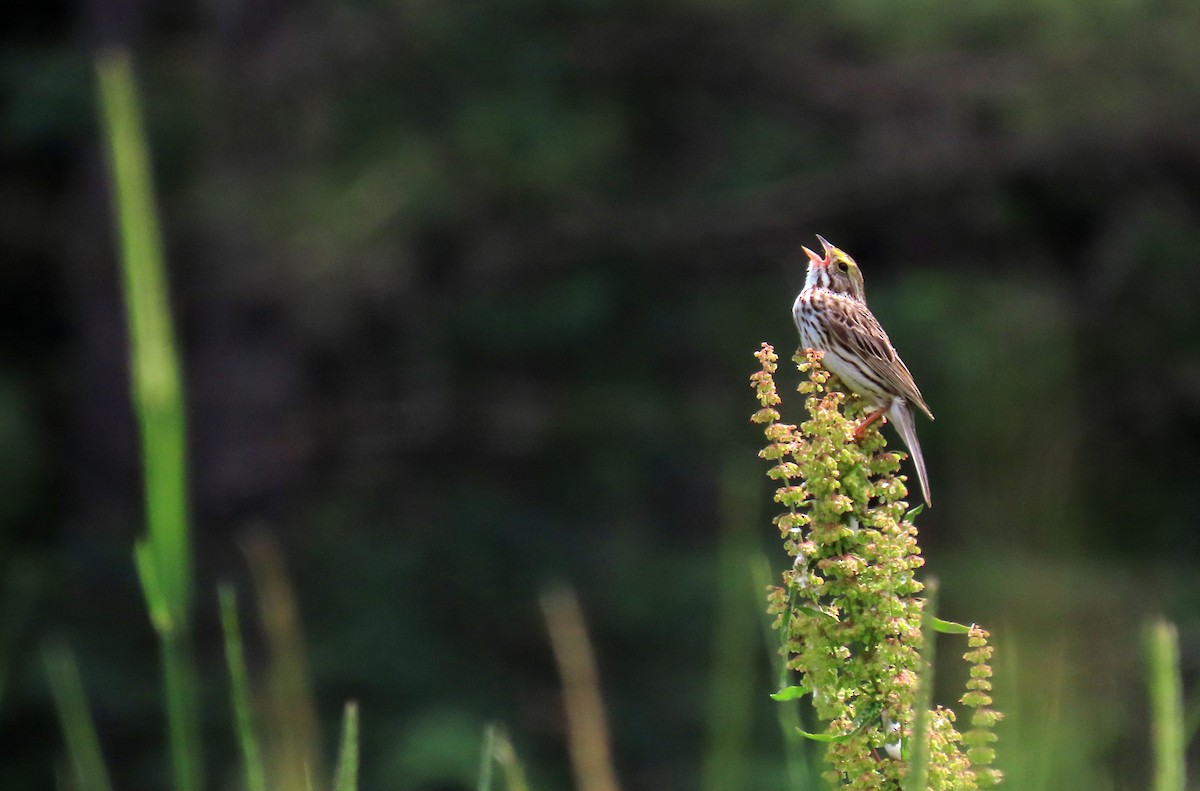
[[346, 775], [294, 757], [239, 692], [163, 557], [587, 731], [79, 732], [918, 760], [1161, 643]]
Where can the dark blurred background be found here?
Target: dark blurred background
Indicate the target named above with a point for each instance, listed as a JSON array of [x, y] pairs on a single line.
[[467, 294]]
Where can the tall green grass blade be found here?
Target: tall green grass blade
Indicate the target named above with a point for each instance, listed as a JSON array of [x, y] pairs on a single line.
[[1161, 645], [79, 733], [918, 748], [154, 366], [346, 776], [163, 557], [239, 686]]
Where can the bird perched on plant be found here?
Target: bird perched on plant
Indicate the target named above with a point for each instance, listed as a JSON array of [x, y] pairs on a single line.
[[832, 316]]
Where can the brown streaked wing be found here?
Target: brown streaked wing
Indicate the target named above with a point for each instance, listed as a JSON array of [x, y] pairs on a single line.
[[853, 324]]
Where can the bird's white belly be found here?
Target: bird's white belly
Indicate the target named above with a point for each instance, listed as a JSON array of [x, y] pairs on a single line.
[[833, 361], [844, 370]]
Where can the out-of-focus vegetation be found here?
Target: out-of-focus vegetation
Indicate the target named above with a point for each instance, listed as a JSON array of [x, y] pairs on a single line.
[[465, 295]]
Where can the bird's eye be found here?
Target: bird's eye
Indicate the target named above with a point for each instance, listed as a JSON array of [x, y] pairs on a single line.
[[841, 267]]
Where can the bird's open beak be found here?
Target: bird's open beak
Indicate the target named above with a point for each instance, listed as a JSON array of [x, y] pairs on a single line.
[[828, 247], [817, 260]]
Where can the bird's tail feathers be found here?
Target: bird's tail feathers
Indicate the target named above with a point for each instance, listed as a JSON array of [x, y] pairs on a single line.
[[902, 418]]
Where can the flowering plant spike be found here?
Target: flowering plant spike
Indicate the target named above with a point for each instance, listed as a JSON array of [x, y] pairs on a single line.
[[849, 609]]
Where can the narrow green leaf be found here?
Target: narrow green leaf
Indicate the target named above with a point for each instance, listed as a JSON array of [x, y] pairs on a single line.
[[79, 733], [239, 691], [817, 612], [792, 692], [868, 715], [914, 513], [948, 627], [827, 738], [346, 776]]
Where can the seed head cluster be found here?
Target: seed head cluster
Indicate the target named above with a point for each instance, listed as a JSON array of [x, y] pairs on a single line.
[[849, 608]]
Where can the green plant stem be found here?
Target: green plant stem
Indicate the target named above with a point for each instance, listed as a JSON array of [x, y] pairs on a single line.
[[918, 763], [179, 674], [1166, 706]]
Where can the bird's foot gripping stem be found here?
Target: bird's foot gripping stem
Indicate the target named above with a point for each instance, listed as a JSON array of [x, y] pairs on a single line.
[[863, 426]]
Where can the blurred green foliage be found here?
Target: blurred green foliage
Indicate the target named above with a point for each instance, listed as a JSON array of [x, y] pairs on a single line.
[[467, 294]]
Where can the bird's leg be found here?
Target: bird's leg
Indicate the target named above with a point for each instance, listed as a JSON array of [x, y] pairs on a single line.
[[863, 426]]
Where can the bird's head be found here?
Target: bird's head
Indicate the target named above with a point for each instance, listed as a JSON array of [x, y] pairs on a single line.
[[835, 271]]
